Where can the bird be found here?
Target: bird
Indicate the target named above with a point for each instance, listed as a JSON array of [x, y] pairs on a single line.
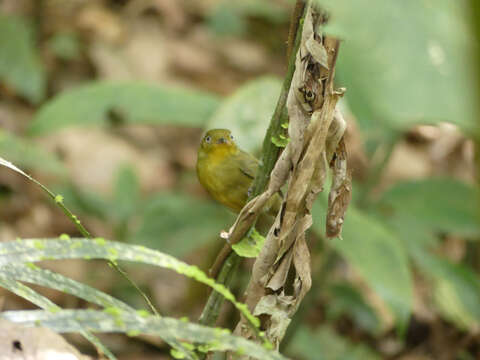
[[227, 172]]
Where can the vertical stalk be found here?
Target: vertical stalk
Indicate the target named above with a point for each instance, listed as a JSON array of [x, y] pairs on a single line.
[[227, 260]]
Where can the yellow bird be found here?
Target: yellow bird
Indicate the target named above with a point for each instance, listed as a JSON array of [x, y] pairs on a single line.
[[227, 172]]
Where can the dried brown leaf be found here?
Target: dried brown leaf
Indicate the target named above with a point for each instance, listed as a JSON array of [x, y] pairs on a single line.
[[340, 192]]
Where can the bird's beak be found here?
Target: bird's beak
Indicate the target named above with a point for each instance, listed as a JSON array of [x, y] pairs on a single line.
[[221, 141]]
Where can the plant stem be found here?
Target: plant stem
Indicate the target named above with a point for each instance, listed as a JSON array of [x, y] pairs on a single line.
[[212, 308], [475, 23], [270, 154]]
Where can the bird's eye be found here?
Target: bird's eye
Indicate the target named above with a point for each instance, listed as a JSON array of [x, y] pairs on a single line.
[[208, 139], [231, 137]]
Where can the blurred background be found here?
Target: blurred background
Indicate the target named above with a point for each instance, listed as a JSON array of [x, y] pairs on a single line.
[[105, 102]]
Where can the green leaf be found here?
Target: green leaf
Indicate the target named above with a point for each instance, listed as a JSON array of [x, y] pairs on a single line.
[[47, 278], [346, 300], [325, 344], [65, 45], [432, 205], [456, 289], [20, 65], [266, 9], [25, 292], [44, 303], [250, 245], [280, 141], [28, 155], [177, 224], [61, 283], [417, 210], [405, 62], [377, 254], [126, 192], [458, 295], [228, 17], [132, 102], [247, 112], [32, 250], [224, 20], [127, 322]]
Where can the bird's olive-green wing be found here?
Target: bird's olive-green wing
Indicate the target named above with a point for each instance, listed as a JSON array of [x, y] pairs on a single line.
[[248, 164]]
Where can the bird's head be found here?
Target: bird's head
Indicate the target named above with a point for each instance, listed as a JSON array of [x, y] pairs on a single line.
[[218, 139]]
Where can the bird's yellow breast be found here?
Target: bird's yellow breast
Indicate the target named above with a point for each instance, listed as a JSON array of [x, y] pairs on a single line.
[[219, 173]]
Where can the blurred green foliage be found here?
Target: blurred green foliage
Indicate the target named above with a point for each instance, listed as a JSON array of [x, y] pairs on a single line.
[[325, 344], [20, 66], [102, 103], [344, 299], [445, 205], [247, 112], [65, 45], [164, 226], [403, 63], [229, 17], [26, 154], [377, 254]]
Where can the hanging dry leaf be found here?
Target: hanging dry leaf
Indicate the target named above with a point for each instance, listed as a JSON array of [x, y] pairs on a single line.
[[316, 131]]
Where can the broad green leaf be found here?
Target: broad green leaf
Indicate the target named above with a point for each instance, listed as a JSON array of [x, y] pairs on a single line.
[[432, 205], [28, 155], [133, 102], [225, 20], [405, 62], [177, 224], [377, 254], [416, 211], [260, 8], [456, 288], [228, 17], [32, 250], [20, 65], [116, 320], [346, 300], [126, 193], [247, 112], [325, 344], [44, 303]]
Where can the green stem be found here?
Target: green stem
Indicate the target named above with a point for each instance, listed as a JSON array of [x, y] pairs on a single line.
[[269, 157], [212, 308], [475, 23]]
